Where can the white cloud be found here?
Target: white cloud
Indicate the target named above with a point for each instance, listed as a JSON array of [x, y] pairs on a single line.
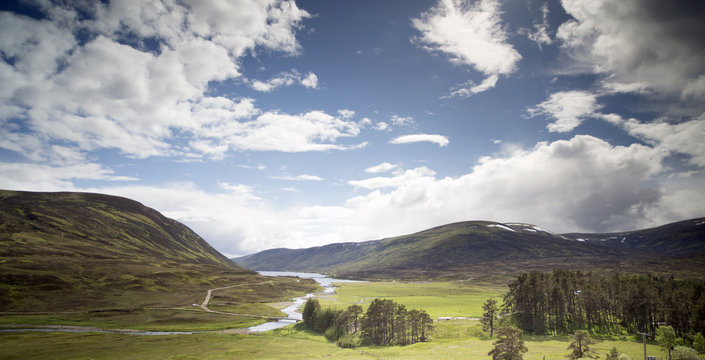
[[310, 81], [382, 126], [115, 92], [348, 114], [471, 34], [568, 108], [381, 168], [468, 89], [539, 35], [658, 43], [402, 120], [608, 187], [679, 138], [402, 179], [311, 131], [303, 177], [286, 79], [406, 139], [37, 177]]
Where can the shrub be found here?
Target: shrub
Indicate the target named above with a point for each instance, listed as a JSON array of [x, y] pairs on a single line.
[[348, 341], [684, 353], [335, 332]]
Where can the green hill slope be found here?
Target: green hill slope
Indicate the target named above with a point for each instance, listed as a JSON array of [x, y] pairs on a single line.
[[73, 251], [466, 249]]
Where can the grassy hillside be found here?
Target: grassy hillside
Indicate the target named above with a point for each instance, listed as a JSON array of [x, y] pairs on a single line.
[[484, 249], [78, 251]]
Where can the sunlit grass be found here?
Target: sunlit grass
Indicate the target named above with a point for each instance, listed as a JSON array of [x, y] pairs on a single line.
[[455, 299], [454, 339]]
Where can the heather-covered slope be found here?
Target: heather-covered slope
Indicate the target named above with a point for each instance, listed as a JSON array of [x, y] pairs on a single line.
[[68, 251]]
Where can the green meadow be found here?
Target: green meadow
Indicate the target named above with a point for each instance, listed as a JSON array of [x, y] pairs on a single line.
[[451, 339]]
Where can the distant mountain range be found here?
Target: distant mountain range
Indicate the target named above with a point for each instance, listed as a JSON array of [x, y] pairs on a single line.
[[484, 249], [61, 251]]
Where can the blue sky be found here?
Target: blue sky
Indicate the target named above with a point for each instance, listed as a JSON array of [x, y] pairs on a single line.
[[265, 124]]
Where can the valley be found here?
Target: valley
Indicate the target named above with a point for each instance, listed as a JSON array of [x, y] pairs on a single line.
[[130, 281]]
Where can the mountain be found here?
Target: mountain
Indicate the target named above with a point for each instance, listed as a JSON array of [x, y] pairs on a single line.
[[486, 249], [65, 250], [676, 239]]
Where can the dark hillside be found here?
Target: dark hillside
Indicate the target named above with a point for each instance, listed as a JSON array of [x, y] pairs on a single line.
[[679, 238], [69, 251]]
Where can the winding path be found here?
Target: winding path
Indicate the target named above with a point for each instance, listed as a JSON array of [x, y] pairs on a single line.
[[205, 308]]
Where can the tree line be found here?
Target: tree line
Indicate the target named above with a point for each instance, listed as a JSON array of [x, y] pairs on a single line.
[[384, 323], [563, 301]]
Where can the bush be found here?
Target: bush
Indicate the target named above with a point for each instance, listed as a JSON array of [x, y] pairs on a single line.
[[623, 357], [348, 341], [684, 353], [335, 332]]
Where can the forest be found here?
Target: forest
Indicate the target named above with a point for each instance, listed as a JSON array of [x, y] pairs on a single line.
[[563, 301], [384, 323]]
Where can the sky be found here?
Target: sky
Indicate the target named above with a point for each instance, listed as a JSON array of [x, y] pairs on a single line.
[[267, 123]]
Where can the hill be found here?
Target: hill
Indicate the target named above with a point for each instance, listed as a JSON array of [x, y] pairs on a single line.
[[676, 239], [74, 251], [482, 249]]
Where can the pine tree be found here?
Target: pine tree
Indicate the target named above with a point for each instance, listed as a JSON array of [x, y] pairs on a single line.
[[311, 308], [580, 344], [613, 355], [509, 344], [489, 315]]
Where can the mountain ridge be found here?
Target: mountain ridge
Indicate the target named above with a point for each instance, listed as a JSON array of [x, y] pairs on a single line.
[[473, 247]]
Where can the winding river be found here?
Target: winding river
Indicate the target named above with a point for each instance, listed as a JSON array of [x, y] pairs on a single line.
[[292, 311]]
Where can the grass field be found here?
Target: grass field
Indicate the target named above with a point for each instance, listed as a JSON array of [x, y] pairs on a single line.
[[279, 344], [454, 298], [451, 339]]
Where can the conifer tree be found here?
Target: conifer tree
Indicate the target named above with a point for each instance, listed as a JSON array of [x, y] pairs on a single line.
[[489, 315], [509, 344], [580, 344]]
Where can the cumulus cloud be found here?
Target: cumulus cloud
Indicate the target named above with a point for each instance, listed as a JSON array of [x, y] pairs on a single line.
[[406, 139], [650, 43], [472, 35], [139, 75], [608, 187], [668, 138], [567, 108]]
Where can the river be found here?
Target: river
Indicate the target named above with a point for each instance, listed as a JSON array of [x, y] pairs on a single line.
[[292, 311]]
